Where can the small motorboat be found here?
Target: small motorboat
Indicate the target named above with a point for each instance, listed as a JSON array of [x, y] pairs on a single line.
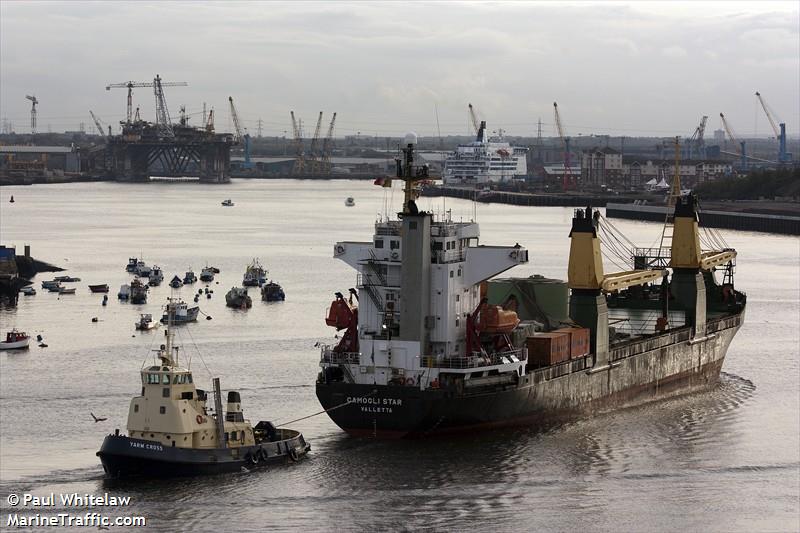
[[254, 275], [176, 282], [146, 322], [138, 292], [156, 276], [272, 292], [227, 203], [238, 298], [65, 290], [12, 199], [189, 278], [124, 292], [15, 340], [133, 262], [28, 291], [180, 312], [55, 288], [99, 288], [349, 201], [48, 284], [66, 279], [207, 274]]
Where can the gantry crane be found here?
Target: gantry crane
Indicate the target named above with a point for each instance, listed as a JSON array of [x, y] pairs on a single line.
[[299, 162], [97, 123], [313, 159], [741, 149], [34, 101], [131, 84], [565, 141], [327, 147], [240, 134], [780, 133]]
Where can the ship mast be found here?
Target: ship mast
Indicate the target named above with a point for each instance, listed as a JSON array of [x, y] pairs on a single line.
[[411, 175]]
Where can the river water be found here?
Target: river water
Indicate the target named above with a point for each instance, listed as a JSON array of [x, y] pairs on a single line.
[[724, 460]]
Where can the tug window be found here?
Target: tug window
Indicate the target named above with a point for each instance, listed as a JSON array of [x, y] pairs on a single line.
[[394, 245], [165, 392], [189, 376], [136, 408], [379, 243], [162, 410]]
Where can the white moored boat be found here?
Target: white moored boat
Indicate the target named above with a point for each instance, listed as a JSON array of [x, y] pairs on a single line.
[[15, 340]]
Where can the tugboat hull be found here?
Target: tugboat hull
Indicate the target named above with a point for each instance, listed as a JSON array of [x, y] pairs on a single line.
[[123, 457]]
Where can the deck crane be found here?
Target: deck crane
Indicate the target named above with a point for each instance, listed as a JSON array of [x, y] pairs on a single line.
[[131, 84], [780, 133], [313, 159], [740, 145], [299, 163], [240, 135], [34, 101], [565, 141], [97, 123], [327, 147]]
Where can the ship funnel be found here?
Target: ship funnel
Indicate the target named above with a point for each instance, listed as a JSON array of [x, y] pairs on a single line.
[[233, 411]]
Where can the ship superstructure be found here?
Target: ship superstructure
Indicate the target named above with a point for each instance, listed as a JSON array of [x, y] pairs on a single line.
[[422, 350], [485, 160]]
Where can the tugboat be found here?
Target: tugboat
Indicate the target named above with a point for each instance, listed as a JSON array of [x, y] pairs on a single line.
[[133, 262], [146, 322], [426, 348], [238, 298], [173, 429], [124, 292], [15, 340], [207, 274], [189, 278], [138, 293], [272, 292], [179, 312], [254, 275]]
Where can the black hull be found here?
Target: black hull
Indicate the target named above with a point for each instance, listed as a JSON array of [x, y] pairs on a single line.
[[124, 457], [539, 399]]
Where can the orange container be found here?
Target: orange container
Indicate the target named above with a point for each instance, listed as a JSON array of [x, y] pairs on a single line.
[[578, 340], [545, 349]]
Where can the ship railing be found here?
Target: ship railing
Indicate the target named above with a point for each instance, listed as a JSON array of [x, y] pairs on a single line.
[[391, 229], [328, 355], [474, 360]]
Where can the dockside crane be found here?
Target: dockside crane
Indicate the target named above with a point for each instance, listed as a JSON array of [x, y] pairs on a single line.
[[741, 149], [240, 134], [97, 123], [327, 147], [299, 162], [34, 101], [474, 119], [565, 141], [131, 84], [313, 159], [696, 144], [780, 133], [209, 122]]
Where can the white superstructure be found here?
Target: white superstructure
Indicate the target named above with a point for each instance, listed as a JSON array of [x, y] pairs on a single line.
[[418, 287], [485, 160]]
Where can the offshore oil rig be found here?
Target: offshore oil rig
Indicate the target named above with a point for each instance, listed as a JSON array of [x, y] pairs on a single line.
[[161, 148]]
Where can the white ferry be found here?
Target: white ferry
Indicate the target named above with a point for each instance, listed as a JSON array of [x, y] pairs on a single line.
[[485, 160]]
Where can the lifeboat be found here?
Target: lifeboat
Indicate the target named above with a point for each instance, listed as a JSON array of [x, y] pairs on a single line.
[[495, 319], [340, 314]]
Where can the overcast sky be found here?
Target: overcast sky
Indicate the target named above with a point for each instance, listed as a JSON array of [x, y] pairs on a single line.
[[622, 68]]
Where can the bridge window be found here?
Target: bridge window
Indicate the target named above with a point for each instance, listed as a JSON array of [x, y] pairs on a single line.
[[165, 379], [394, 244], [378, 243], [162, 410]]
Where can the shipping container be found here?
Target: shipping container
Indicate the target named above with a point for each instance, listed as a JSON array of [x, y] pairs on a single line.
[[578, 339], [545, 349]]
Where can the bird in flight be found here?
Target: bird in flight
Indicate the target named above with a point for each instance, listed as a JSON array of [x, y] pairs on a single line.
[[98, 419]]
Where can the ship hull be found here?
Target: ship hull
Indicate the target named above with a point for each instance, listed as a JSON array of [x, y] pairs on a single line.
[[636, 373], [124, 457]]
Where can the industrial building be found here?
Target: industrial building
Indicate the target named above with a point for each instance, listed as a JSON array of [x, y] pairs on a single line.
[[39, 161]]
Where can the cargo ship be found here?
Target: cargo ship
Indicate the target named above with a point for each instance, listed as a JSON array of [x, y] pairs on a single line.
[[428, 345]]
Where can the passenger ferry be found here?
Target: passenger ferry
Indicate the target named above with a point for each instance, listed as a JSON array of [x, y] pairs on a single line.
[[485, 160]]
